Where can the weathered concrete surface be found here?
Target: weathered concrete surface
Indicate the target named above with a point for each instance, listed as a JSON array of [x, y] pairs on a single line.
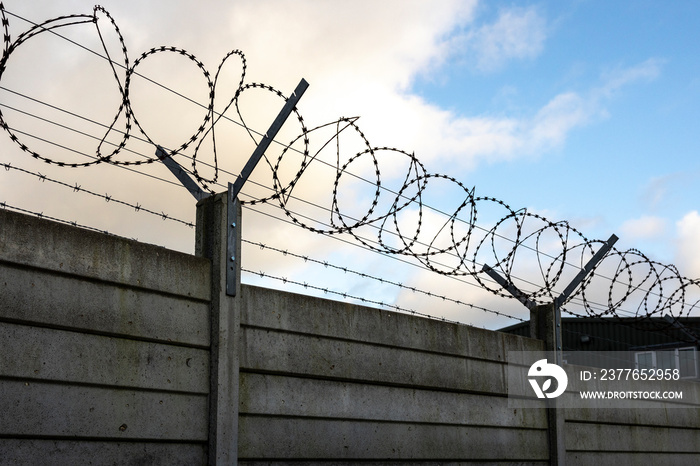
[[309, 355], [631, 438], [104, 348], [390, 462], [110, 362], [67, 356], [322, 379], [304, 314], [277, 395], [41, 409], [41, 297], [34, 242], [341, 439], [653, 432], [678, 417], [631, 459], [211, 241], [19, 452]]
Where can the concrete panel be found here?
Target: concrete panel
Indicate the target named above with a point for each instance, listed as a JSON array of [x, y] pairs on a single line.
[[269, 437], [57, 410], [272, 351], [41, 353], [291, 396], [611, 437], [32, 296], [287, 311], [26, 452], [35, 242], [631, 459]]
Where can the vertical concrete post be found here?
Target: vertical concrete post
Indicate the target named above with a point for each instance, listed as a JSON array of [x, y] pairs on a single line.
[[211, 242], [544, 326]]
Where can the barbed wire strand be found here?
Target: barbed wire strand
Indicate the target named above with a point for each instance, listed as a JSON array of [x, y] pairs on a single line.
[[113, 63], [348, 296], [192, 58], [5, 205], [380, 280], [137, 207], [466, 245], [93, 137], [78, 188]]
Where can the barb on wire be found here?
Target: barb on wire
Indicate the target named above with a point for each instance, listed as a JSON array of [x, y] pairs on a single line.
[[326, 264], [76, 188], [347, 295], [398, 214], [5, 205]]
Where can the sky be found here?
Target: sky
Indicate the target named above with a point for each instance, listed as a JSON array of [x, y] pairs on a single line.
[[580, 111]]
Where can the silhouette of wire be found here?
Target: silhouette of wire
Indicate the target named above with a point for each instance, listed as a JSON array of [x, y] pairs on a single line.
[[347, 295], [79, 189], [5, 205], [381, 280], [658, 287]]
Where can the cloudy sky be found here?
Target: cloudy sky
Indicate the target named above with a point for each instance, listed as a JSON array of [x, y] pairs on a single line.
[[584, 111]]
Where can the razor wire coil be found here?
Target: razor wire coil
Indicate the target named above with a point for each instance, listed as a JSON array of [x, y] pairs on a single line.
[[658, 288]]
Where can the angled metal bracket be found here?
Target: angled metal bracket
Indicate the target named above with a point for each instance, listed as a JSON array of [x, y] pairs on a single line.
[[561, 299], [235, 188], [512, 289], [268, 137], [180, 174], [530, 304], [597, 257]]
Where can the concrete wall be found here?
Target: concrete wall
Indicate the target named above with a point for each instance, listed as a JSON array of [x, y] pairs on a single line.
[[324, 380], [104, 348], [112, 351]]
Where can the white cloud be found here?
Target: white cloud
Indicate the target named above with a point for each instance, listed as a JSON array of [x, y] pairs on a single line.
[[644, 228], [621, 76], [517, 34], [358, 63], [688, 246], [362, 63], [446, 137], [557, 118], [347, 43]]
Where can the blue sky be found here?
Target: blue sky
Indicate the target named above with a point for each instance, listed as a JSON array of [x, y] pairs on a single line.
[[633, 153], [584, 111]]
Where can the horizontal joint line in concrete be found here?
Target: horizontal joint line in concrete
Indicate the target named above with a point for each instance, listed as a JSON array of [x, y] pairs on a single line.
[[412, 386], [72, 438], [114, 283], [84, 331], [390, 421], [651, 404], [372, 343], [126, 388], [421, 461], [627, 424], [634, 452]]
